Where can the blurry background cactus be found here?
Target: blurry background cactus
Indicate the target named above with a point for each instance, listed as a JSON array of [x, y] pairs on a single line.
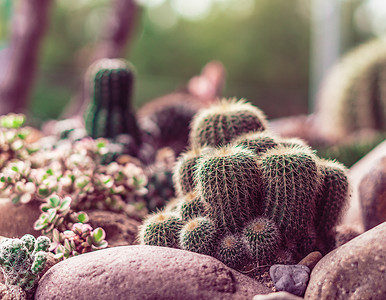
[[262, 194], [22, 260], [110, 112]]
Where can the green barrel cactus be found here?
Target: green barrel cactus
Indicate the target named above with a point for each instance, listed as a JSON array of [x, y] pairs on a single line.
[[183, 173], [110, 113], [191, 206], [22, 260], [331, 200], [258, 142], [229, 182], [352, 96], [221, 123], [161, 229], [199, 235], [233, 252], [291, 181], [262, 238]]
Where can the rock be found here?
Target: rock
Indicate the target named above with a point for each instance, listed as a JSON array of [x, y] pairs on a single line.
[[290, 278], [277, 296], [311, 259], [372, 194], [355, 270], [12, 292], [120, 229], [17, 220], [353, 215], [145, 272]]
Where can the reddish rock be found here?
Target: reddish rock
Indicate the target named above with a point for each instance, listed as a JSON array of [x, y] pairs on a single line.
[[145, 272], [372, 194], [355, 270], [17, 220], [311, 259], [120, 229], [277, 296]]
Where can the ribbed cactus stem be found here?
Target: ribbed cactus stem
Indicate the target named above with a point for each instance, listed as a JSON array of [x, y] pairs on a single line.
[[199, 235], [262, 238], [233, 252], [332, 199], [291, 181], [258, 142], [109, 113], [191, 207], [183, 175], [161, 229], [221, 123], [228, 181]]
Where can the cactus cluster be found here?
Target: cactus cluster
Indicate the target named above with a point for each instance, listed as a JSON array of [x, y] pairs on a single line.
[[245, 195], [22, 260]]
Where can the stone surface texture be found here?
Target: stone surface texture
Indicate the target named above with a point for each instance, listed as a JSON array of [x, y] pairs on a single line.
[[372, 194], [145, 272], [311, 259], [277, 296], [12, 293], [17, 220], [120, 229], [290, 278], [355, 270]]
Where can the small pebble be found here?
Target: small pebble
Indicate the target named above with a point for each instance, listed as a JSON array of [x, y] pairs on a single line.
[[290, 278], [277, 296], [311, 259]]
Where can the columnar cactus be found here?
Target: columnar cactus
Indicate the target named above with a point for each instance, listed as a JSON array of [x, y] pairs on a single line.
[[199, 235], [22, 260], [291, 181], [228, 180], [109, 113], [331, 200], [262, 238], [221, 123], [161, 229]]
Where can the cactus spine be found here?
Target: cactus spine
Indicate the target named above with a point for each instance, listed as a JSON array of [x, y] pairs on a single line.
[[161, 229], [199, 235], [262, 238], [110, 114], [258, 142], [233, 252], [291, 180], [228, 180], [191, 207], [221, 123], [332, 198]]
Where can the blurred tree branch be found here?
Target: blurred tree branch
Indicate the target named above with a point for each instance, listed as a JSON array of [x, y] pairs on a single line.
[[29, 24], [113, 43]]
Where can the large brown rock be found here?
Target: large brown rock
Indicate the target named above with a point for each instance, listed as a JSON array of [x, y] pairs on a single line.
[[145, 272], [372, 194], [17, 220], [355, 270]]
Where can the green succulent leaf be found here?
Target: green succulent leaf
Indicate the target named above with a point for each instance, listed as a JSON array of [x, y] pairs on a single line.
[[98, 235]]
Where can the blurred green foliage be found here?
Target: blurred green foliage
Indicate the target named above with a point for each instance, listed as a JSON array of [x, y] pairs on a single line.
[[264, 47]]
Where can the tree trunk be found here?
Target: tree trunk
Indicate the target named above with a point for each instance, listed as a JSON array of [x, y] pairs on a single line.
[[118, 33], [28, 27]]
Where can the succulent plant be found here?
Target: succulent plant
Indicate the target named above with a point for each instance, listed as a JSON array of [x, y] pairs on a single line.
[[161, 229], [82, 238], [199, 235], [22, 260], [355, 84], [258, 142], [191, 206], [291, 180], [262, 238], [331, 200], [233, 251], [221, 123], [229, 182], [110, 112]]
